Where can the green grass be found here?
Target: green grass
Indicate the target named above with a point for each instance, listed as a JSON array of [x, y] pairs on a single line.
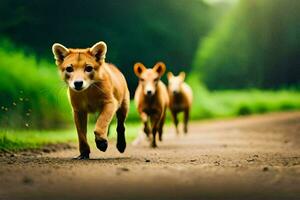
[[31, 92], [231, 103], [30, 139], [18, 140]]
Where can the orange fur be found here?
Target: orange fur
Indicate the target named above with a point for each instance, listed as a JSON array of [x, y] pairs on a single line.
[[94, 86], [151, 98], [181, 97]]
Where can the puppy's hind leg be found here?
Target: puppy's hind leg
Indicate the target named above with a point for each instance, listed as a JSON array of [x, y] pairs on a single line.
[[161, 126], [186, 120], [121, 117], [175, 119]]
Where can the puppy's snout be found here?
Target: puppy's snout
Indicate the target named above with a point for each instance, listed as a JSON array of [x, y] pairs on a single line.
[[175, 92], [78, 85], [149, 93]]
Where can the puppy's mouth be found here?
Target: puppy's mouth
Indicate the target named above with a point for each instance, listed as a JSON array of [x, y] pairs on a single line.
[[78, 89], [149, 93], [78, 85]]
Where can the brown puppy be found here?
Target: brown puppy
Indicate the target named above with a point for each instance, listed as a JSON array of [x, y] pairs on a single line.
[[94, 86], [151, 98], [181, 97]]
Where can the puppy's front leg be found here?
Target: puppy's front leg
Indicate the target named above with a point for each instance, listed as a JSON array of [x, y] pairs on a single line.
[[80, 119], [155, 120], [144, 118], [102, 124]]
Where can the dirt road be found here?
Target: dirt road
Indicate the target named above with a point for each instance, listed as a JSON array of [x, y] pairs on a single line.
[[254, 157]]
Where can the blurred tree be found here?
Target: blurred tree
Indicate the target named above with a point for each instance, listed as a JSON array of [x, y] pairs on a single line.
[[257, 45], [146, 31]]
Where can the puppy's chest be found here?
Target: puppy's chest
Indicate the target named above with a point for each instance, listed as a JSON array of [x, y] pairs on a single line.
[[88, 103], [151, 107], [177, 106], [92, 105], [150, 110], [177, 103]]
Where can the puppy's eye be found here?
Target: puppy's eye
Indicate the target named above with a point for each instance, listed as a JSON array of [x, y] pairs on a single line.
[[88, 68], [142, 79], [69, 69], [156, 79]]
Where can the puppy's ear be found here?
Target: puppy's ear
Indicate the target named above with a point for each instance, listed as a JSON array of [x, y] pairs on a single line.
[[169, 75], [59, 52], [99, 51], [160, 68], [182, 75], [138, 69]]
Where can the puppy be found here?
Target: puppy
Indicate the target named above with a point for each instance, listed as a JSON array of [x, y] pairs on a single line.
[[93, 86], [181, 97], [151, 99]]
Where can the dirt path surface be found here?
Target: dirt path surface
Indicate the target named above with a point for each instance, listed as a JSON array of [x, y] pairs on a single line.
[[254, 157]]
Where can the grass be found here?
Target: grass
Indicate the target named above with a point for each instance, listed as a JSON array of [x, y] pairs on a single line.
[[18, 140], [31, 92], [231, 103], [30, 139]]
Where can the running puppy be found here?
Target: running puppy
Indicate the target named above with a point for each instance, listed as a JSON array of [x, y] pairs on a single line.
[[181, 97], [93, 86], [151, 98]]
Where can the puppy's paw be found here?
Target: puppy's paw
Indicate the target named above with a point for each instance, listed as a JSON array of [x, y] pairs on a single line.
[[160, 138], [101, 144], [83, 156], [185, 130], [121, 146], [153, 145]]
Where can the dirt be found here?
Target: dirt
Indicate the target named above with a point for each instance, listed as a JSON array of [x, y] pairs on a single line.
[[48, 148], [255, 157]]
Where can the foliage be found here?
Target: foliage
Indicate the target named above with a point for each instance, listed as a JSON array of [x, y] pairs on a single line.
[[18, 140], [28, 139], [256, 45], [231, 103], [146, 31], [31, 93]]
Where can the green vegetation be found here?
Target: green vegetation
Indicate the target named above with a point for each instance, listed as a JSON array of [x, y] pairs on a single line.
[[231, 103], [135, 30], [31, 92], [18, 140], [28, 139], [255, 45]]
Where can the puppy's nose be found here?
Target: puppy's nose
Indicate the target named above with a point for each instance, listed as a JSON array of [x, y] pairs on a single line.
[[78, 85], [149, 92], [175, 92]]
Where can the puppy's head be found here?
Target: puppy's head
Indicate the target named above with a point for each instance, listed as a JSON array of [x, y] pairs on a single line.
[[175, 82], [149, 78], [79, 67]]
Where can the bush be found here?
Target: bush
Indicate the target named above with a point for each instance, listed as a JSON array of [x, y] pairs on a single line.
[[230, 103], [31, 92]]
